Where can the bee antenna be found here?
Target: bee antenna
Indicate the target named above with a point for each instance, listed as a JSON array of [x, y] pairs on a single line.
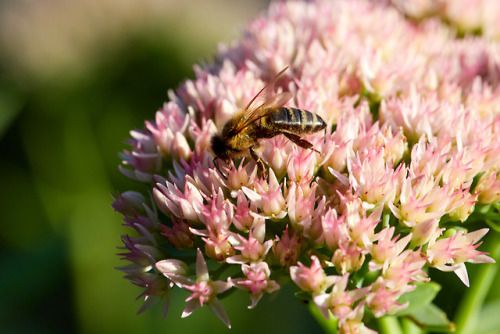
[[217, 166]]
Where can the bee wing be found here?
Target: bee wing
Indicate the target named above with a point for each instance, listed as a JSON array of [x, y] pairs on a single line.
[[264, 110], [270, 99], [267, 92], [277, 100]]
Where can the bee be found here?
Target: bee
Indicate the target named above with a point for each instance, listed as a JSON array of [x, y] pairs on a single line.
[[262, 120]]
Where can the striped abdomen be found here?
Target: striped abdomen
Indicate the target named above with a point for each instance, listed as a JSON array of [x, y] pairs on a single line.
[[298, 121]]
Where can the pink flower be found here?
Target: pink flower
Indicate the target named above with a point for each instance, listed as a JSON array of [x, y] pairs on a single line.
[[340, 300], [269, 196], [301, 206], [301, 164], [276, 155], [353, 322], [245, 213], [386, 249], [335, 230], [156, 290], [348, 258], [218, 245], [179, 234], [145, 159], [311, 279], [404, 269], [374, 180], [204, 291], [488, 187], [362, 229], [449, 254], [382, 300], [168, 129], [217, 214], [128, 203], [173, 269], [418, 200], [419, 8], [465, 14], [256, 282], [252, 250], [287, 248], [242, 176], [391, 143], [172, 201], [411, 148], [424, 232]]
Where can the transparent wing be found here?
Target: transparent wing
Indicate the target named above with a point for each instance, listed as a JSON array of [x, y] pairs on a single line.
[[276, 101], [269, 98], [267, 92], [264, 109]]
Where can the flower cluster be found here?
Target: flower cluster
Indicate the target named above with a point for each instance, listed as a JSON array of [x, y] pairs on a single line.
[[410, 153]]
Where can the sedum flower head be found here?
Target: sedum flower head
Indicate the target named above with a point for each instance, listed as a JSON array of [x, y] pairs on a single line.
[[409, 156]]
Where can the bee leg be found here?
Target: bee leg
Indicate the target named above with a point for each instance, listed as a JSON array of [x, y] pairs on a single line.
[[258, 160], [300, 142], [217, 166]]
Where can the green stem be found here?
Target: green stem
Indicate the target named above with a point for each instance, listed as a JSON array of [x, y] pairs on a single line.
[[386, 218], [409, 327], [328, 325], [389, 325], [471, 304]]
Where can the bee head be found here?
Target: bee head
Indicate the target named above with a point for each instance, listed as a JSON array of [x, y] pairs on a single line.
[[219, 147]]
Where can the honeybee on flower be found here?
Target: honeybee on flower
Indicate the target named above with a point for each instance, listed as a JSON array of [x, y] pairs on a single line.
[[264, 120]]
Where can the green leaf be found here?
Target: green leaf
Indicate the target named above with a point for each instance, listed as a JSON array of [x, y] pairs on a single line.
[[432, 319], [422, 296], [422, 312]]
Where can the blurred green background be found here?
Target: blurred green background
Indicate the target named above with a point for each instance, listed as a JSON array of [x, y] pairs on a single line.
[[75, 77]]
